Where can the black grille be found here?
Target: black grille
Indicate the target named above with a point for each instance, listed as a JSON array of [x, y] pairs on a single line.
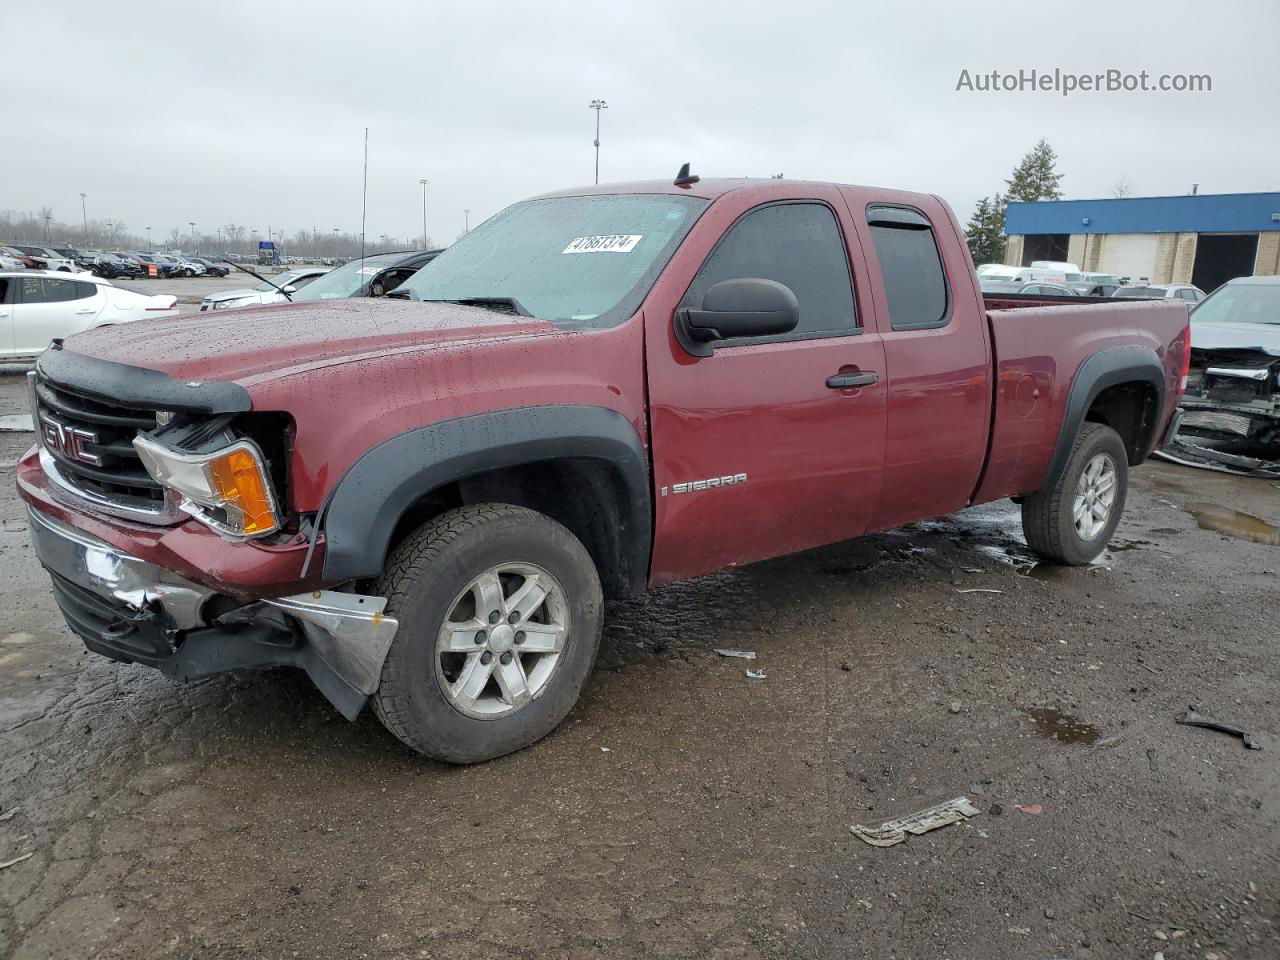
[[75, 431], [1235, 389]]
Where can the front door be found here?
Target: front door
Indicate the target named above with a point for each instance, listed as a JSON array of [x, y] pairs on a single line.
[[764, 447]]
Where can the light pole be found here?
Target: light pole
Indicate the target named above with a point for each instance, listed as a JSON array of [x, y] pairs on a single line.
[[597, 106], [47, 218], [148, 239], [335, 241], [111, 234], [424, 212], [84, 214], [192, 225], [466, 222]]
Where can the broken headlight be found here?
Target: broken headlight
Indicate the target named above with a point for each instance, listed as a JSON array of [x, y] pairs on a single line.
[[228, 489]]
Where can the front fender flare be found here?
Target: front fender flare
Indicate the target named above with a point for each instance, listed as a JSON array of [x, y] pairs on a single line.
[[360, 514]]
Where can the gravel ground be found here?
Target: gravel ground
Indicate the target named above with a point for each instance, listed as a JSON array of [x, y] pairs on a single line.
[[683, 809]]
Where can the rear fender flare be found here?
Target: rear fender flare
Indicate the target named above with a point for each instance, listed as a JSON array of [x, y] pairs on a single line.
[[360, 515], [1106, 368]]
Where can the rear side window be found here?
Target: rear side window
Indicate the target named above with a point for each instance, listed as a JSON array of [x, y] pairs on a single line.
[[43, 290], [798, 245], [911, 267]]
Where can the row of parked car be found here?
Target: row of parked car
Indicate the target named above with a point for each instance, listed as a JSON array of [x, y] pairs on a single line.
[[40, 305], [110, 265], [1060, 279]]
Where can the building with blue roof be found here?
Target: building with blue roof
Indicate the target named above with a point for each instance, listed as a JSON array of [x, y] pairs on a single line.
[[1204, 239]]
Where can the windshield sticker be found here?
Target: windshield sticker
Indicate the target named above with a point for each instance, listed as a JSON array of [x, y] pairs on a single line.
[[613, 243]]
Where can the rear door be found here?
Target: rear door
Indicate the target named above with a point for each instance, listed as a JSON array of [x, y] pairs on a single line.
[[49, 307], [757, 451], [936, 356]]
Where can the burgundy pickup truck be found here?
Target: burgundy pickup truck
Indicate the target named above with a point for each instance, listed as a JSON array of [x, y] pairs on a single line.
[[426, 500]]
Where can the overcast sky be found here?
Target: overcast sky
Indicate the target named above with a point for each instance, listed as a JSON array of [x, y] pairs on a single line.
[[254, 113]]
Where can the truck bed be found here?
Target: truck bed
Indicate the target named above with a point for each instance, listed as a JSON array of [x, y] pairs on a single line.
[[1039, 345]]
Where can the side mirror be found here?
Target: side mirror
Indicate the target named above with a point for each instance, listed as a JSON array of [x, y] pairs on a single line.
[[289, 288], [743, 307]]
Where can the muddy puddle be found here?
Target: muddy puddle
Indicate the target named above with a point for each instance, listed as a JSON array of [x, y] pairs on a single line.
[[1233, 523], [1055, 725]]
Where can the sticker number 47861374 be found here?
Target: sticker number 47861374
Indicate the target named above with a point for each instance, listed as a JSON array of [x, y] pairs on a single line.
[[612, 243]]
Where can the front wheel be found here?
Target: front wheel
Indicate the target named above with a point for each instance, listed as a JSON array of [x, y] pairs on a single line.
[[500, 612], [1074, 520]]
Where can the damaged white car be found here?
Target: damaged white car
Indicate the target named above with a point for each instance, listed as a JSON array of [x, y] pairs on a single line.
[[1231, 410]]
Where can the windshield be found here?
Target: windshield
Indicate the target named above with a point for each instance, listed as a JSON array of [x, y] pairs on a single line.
[[574, 261], [1140, 293], [347, 280], [1241, 303], [999, 286]]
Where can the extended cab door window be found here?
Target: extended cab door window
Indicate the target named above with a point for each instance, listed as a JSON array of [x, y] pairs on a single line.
[[914, 281], [798, 245]]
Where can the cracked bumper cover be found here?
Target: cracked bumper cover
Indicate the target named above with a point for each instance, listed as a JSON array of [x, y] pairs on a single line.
[[130, 610]]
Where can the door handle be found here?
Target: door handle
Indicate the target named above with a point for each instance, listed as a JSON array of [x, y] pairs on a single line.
[[85, 311], [846, 381]]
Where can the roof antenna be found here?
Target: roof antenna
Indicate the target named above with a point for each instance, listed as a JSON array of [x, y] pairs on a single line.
[[684, 178]]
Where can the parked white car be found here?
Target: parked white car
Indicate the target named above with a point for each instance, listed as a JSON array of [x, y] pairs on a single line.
[[38, 305], [288, 280]]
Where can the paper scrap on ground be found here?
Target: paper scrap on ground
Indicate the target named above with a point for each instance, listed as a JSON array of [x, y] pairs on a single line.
[[742, 654], [755, 674], [895, 831], [16, 423]]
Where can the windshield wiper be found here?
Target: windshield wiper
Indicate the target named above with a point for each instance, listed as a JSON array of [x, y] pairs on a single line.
[[504, 304], [255, 273], [398, 295]]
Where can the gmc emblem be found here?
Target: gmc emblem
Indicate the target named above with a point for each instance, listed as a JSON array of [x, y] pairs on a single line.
[[67, 440]]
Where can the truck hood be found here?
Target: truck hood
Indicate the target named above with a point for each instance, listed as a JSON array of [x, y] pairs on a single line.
[[1264, 337], [270, 342]]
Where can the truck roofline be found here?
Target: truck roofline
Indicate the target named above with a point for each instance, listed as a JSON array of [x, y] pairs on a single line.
[[712, 188]]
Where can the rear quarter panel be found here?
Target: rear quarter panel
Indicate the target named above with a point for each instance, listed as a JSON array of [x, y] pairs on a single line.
[[1039, 351]]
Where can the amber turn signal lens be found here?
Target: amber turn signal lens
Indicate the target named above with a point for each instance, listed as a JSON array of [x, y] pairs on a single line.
[[237, 479]]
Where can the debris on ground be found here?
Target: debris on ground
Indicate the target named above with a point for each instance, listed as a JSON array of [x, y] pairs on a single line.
[[606, 750], [1194, 719], [979, 590], [740, 654], [17, 423], [755, 674], [895, 831], [956, 706], [1032, 808], [17, 860], [8, 815]]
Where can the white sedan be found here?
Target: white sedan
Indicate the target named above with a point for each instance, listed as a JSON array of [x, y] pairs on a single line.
[[38, 305], [288, 281]]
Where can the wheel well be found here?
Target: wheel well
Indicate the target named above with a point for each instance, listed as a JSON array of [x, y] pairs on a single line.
[[584, 495], [1131, 410]]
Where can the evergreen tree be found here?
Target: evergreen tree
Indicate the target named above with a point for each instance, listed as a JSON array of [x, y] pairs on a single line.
[[1035, 177], [985, 231]]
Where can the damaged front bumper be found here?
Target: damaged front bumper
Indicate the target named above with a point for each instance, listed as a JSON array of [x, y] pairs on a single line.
[[1229, 419], [136, 612]]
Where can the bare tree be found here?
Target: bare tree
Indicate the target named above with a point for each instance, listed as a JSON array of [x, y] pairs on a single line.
[[1122, 188]]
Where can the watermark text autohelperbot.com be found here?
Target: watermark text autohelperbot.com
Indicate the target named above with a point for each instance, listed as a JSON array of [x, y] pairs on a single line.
[[1066, 83]]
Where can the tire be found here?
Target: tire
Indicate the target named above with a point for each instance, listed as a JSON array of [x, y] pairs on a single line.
[[1049, 518], [431, 577]]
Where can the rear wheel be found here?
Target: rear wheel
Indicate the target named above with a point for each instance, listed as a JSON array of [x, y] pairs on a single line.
[[1074, 520], [500, 612]]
